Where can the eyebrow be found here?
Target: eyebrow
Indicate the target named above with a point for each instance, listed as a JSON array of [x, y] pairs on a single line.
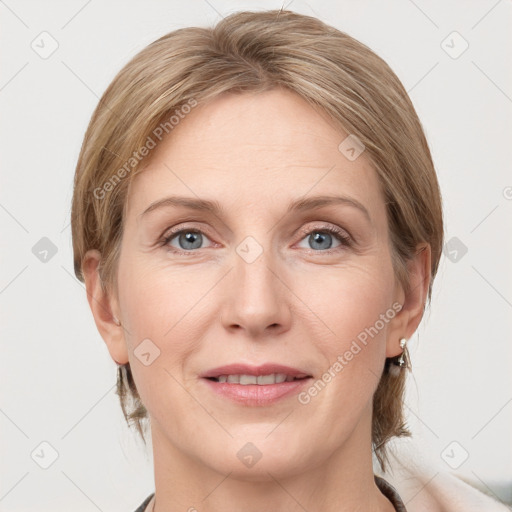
[[214, 207]]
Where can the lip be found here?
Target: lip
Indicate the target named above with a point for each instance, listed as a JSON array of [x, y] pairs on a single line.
[[254, 395], [245, 369]]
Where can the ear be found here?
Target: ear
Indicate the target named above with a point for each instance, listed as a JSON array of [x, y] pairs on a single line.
[[104, 308], [407, 320]]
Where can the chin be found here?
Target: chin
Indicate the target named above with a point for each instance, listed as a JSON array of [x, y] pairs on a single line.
[[280, 467], [260, 459]]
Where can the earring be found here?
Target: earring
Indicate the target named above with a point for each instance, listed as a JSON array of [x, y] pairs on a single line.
[[401, 361], [116, 321]]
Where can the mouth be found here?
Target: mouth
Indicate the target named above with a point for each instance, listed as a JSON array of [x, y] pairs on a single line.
[[255, 386], [259, 380]]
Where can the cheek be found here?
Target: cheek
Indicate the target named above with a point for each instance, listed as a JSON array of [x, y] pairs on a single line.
[[354, 305], [347, 300], [332, 306], [152, 304], [355, 308], [161, 304], [154, 296]]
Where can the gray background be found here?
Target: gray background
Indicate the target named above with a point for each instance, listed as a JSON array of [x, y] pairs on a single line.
[[57, 380]]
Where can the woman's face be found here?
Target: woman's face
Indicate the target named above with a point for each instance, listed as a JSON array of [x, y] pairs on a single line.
[[255, 279]]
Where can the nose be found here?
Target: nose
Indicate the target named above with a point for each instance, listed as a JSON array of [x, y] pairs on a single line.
[[258, 297]]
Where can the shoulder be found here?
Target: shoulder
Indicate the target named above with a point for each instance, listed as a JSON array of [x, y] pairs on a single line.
[[427, 487]]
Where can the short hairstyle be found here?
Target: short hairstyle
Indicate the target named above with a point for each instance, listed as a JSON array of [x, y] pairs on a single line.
[[251, 52]]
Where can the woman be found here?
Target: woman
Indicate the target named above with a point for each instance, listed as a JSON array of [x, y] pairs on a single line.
[[258, 222]]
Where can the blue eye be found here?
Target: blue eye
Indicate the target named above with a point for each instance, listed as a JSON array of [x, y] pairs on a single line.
[[322, 239], [188, 239], [318, 239]]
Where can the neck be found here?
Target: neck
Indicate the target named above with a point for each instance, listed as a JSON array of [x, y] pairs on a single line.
[[340, 481]]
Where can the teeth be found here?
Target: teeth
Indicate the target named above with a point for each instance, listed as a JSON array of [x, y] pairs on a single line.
[[280, 377], [248, 379], [262, 380], [266, 379]]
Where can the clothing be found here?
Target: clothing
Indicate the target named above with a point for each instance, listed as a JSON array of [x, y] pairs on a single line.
[[427, 484], [391, 493], [385, 487], [145, 503]]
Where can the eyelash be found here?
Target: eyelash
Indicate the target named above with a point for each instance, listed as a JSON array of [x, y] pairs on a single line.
[[342, 237], [338, 233]]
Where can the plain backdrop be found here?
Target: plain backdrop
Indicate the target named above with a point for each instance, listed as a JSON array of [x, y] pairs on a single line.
[[58, 406]]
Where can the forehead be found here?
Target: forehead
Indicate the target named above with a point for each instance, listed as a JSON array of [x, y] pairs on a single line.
[[258, 150]]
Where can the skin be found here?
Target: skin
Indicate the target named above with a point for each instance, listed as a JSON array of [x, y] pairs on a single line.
[[300, 303]]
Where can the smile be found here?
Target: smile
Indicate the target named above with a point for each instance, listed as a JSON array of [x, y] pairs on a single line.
[[255, 386], [260, 380]]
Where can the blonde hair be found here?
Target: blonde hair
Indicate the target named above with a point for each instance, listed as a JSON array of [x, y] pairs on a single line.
[[255, 52]]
